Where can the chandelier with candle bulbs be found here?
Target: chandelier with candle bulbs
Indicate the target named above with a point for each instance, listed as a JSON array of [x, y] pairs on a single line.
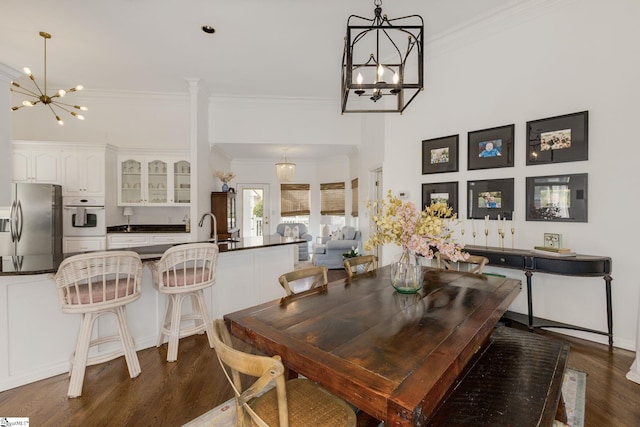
[[382, 62], [42, 97]]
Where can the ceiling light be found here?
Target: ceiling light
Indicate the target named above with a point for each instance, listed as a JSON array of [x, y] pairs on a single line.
[[285, 170], [42, 96], [208, 29], [382, 63]]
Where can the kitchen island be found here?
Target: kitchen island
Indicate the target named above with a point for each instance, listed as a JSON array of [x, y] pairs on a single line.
[[37, 339]]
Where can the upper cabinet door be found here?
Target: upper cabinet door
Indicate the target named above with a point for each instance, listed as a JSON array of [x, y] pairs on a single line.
[[83, 173], [32, 164]]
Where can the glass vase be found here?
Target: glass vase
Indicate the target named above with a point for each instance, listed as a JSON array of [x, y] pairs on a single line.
[[406, 273]]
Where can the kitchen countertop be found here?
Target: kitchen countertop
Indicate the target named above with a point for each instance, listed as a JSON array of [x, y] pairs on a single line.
[[43, 264], [147, 228]]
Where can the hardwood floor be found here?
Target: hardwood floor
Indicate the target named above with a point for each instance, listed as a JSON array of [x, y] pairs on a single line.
[[170, 394]]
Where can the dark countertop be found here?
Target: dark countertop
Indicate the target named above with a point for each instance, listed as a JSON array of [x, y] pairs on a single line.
[[147, 228], [43, 264]]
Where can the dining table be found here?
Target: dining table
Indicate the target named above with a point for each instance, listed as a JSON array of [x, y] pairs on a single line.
[[393, 356]]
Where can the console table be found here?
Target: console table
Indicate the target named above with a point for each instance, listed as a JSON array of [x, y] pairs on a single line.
[[530, 262]]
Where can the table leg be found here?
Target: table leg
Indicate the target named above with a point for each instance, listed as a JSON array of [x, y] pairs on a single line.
[[607, 282], [529, 273]]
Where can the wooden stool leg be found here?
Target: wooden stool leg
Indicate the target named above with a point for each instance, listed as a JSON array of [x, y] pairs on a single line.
[[79, 363], [130, 354], [166, 321], [204, 313], [174, 332]]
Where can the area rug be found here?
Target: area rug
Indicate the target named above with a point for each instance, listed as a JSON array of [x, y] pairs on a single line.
[[573, 392], [574, 386]]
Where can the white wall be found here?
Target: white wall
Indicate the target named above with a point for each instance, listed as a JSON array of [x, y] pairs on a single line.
[[7, 74], [557, 58]]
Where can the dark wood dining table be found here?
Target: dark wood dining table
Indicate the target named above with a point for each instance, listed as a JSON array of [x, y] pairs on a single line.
[[393, 356]]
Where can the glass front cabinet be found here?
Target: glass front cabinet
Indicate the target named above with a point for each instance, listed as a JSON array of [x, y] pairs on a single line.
[[154, 181]]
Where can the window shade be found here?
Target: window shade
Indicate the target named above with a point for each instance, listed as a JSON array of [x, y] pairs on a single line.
[[354, 197], [332, 198], [294, 199]]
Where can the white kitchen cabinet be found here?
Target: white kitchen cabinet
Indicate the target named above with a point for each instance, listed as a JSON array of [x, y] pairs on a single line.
[[154, 181], [130, 240], [83, 172], [83, 244], [168, 238], [34, 163]]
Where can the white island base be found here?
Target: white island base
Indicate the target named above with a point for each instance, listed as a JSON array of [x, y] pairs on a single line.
[[37, 339]]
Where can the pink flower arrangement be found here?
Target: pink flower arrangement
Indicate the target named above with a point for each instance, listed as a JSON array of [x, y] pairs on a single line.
[[423, 232]]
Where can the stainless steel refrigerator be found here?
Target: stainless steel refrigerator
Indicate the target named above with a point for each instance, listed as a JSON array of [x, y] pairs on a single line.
[[35, 219]]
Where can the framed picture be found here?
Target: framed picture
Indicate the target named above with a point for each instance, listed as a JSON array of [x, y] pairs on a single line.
[[558, 139], [490, 197], [441, 192], [490, 148], [560, 198], [552, 240], [440, 155]]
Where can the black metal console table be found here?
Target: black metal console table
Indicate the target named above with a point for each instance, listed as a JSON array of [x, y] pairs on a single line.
[[530, 262]]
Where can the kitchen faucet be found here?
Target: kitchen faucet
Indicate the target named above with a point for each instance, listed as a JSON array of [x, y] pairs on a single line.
[[215, 225]]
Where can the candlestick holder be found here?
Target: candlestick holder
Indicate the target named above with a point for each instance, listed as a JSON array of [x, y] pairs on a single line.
[[486, 238], [473, 233], [501, 234], [462, 234], [513, 233]]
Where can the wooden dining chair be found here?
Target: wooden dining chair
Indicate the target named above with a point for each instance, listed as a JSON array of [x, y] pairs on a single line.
[[360, 265], [304, 279], [295, 402], [475, 263]]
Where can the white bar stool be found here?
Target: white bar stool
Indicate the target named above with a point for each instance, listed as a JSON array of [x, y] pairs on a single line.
[[185, 271], [95, 284]]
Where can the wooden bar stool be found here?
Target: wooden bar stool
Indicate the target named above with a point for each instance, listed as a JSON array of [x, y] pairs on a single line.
[[93, 285], [184, 271]]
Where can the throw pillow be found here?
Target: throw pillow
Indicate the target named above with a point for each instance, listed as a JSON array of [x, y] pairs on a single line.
[[335, 235], [287, 231], [295, 232], [348, 233]]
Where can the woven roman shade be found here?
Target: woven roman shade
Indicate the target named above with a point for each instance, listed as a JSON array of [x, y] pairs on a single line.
[[354, 197], [332, 198], [294, 199]]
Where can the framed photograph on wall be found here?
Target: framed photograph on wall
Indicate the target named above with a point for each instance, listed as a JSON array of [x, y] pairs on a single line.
[[491, 197], [558, 139], [446, 192], [560, 198], [490, 148], [440, 155]]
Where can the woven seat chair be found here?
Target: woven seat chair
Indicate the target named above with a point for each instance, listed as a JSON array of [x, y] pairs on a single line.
[[184, 271], [96, 284], [304, 279], [297, 402], [360, 265], [475, 263]]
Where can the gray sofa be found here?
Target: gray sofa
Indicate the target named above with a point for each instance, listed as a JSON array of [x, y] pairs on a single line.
[[329, 252], [303, 247]]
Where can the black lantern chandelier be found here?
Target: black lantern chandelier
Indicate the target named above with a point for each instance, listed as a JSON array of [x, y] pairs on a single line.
[[42, 96], [382, 63]]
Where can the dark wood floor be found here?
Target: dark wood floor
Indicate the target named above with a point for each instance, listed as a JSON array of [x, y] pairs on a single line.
[[170, 394]]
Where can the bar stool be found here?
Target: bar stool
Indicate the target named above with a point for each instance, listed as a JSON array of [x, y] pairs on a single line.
[[184, 271], [93, 285]]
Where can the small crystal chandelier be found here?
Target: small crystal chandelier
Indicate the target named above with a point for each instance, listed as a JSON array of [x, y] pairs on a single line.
[[42, 96], [384, 78], [285, 170]]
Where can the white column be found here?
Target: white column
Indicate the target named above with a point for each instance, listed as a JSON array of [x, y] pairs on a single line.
[[634, 372], [7, 74]]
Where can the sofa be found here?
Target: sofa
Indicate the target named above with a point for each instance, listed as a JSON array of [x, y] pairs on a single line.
[[329, 252], [299, 231]]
